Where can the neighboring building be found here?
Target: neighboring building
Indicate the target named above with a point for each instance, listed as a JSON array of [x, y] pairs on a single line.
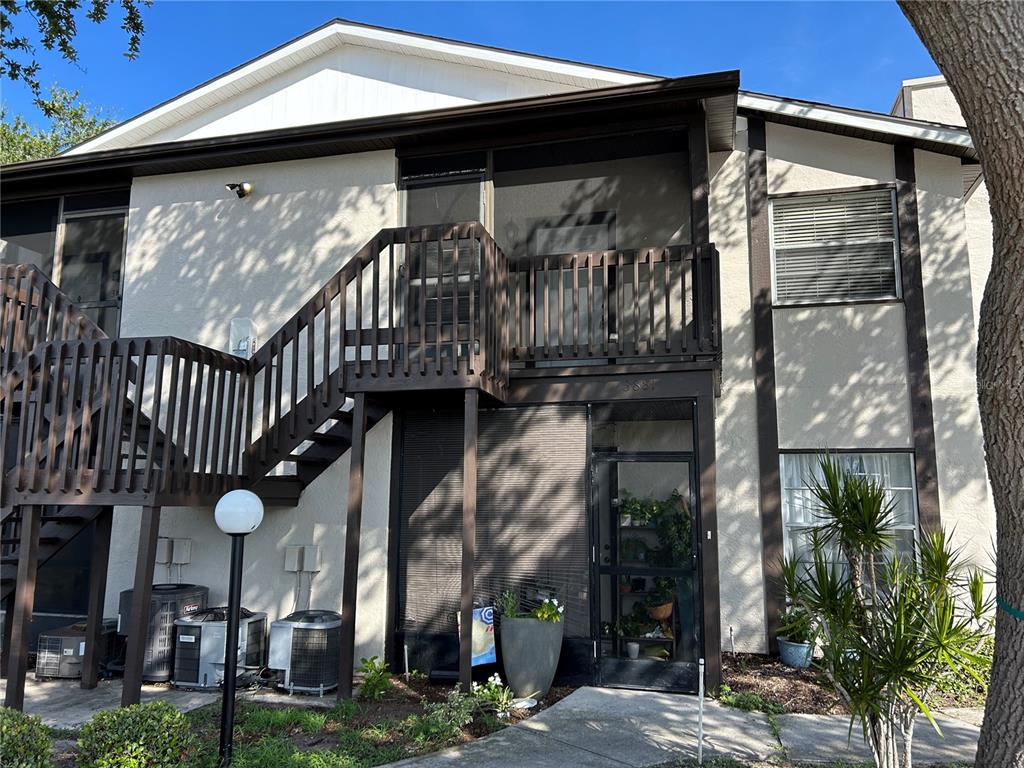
[[690, 291]]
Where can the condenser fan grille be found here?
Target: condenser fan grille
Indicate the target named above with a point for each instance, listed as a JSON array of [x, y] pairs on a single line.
[[315, 655]]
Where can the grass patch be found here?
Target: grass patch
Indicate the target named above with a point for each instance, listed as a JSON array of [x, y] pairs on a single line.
[[264, 721], [749, 701]]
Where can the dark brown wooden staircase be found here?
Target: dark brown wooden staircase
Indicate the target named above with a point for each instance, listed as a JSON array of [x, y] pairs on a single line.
[[60, 525]]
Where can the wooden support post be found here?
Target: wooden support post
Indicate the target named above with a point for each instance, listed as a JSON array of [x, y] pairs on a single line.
[[25, 595], [353, 523], [97, 592], [5, 651], [708, 517], [138, 620], [468, 538]]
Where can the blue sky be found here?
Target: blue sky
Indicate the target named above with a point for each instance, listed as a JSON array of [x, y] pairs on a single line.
[[853, 54]]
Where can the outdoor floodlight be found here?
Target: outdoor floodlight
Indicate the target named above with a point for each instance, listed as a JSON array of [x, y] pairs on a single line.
[[240, 188]]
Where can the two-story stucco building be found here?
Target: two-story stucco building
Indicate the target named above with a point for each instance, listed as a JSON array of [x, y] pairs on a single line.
[[665, 289]]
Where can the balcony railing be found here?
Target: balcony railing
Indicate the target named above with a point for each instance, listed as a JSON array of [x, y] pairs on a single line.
[[416, 308], [621, 305]]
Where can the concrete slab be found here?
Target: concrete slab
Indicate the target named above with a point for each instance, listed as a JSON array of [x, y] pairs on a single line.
[[971, 715], [823, 739], [63, 704], [513, 746], [957, 744], [645, 728], [607, 727]]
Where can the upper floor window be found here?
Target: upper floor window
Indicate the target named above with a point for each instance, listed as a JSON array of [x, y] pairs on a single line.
[[839, 247]]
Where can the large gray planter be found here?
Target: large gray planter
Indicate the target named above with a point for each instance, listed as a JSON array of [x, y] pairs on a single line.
[[529, 650]]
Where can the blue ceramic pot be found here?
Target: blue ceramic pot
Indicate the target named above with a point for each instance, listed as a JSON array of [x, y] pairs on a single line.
[[796, 655]]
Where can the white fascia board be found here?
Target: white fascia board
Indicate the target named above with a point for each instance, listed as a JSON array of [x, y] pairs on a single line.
[[526, 64], [340, 33], [868, 121], [919, 82]]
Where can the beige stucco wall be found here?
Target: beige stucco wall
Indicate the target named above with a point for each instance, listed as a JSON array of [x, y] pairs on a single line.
[[741, 578], [800, 160], [949, 280], [979, 243], [841, 377], [935, 102], [840, 371], [197, 256]]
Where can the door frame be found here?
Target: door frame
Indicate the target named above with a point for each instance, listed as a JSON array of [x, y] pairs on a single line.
[[692, 459]]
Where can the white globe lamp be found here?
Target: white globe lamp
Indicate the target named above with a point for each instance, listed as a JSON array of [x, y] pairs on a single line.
[[239, 512]]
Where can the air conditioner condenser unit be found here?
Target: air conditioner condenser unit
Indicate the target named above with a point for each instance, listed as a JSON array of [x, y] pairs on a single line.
[[200, 640], [305, 647]]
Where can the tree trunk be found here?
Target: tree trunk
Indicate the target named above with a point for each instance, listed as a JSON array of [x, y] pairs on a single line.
[[979, 47]]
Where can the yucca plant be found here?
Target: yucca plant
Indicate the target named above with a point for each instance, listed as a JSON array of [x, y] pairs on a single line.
[[890, 625]]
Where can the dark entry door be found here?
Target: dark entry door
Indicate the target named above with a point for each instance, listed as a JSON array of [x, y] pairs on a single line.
[[647, 604]]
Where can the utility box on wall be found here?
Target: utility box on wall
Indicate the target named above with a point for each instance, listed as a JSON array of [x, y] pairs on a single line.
[[243, 337]]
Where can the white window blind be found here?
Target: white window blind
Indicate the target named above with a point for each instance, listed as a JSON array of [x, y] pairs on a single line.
[[801, 511], [837, 247]]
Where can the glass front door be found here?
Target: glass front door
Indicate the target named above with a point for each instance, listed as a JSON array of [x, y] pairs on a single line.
[[648, 600]]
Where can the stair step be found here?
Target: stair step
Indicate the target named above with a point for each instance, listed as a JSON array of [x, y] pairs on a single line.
[[43, 540], [277, 487], [324, 438], [301, 458]]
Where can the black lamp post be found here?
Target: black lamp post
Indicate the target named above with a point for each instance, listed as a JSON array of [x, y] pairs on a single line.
[[238, 514]]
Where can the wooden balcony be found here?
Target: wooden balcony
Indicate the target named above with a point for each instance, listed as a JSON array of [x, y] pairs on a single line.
[[161, 420], [652, 304]]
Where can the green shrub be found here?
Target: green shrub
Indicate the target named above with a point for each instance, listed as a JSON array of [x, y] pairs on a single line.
[[150, 735], [24, 740], [442, 721], [493, 695], [376, 678]]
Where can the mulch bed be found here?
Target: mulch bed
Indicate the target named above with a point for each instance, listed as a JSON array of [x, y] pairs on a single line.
[[796, 690]]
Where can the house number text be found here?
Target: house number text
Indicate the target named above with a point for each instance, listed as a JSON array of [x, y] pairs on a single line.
[[643, 385]]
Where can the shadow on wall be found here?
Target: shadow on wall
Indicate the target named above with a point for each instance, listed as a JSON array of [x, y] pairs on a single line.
[[531, 520], [198, 256]]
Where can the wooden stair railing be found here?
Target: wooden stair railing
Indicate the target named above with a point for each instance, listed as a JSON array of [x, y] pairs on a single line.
[[165, 421], [417, 307], [34, 311], [149, 420]]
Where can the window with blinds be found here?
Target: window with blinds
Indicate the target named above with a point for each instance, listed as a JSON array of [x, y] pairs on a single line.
[[836, 247]]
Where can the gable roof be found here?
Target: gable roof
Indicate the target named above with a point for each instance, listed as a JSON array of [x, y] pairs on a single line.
[[340, 32], [114, 157], [646, 105]]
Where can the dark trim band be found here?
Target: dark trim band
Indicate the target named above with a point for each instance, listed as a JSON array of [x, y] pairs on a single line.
[[918, 373], [769, 482], [832, 191]]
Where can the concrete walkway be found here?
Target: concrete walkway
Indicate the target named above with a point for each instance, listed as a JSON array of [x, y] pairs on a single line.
[[604, 727], [63, 704], [599, 727]]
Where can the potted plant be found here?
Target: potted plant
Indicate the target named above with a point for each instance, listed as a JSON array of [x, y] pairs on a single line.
[[531, 643], [796, 638], [636, 624], [634, 549], [661, 601]]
